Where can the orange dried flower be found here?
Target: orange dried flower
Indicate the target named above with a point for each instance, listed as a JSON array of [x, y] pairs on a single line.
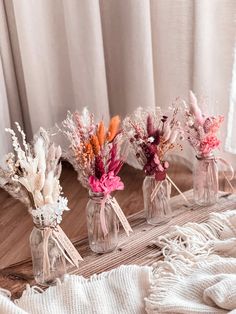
[[95, 144], [101, 133], [113, 128], [89, 150]]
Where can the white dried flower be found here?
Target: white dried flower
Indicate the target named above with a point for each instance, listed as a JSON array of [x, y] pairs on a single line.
[[35, 168], [50, 214]]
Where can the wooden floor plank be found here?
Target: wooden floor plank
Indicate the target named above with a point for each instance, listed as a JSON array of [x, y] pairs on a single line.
[[131, 250]]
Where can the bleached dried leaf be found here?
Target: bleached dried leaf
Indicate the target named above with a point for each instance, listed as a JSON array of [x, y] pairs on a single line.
[[25, 182], [56, 190], [48, 199], [48, 185], [39, 180], [38, 198], [39, 151]]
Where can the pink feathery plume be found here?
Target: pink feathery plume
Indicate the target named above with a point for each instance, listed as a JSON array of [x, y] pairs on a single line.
[[113, 152], [114, 164], [194, 108], [106, 184], [118, 167], [150, 126]]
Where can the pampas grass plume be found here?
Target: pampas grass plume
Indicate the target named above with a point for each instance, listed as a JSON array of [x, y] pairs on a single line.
[[113, 128], [101, 133], [95, 144]]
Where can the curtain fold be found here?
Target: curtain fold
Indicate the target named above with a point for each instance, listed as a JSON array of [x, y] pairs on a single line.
[[230, 145], [215, 35], [5, 115], [10, 107], [127, 41], [113, 56]]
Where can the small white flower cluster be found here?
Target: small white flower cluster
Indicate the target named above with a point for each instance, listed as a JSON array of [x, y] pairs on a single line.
[[50, 214]]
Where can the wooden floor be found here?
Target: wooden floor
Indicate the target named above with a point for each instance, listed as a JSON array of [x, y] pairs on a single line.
[[16, 224], [135, 249]]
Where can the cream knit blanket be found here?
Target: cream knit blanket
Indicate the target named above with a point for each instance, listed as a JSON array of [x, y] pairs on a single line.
[[198, 275], [119, 291]]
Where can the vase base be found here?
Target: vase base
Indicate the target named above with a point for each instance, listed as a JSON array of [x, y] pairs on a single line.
[[102, 250], [204, 204], [155, 222], [46, 283]]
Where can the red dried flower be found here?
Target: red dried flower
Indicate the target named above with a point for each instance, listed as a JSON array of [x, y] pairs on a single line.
[[99, 167]]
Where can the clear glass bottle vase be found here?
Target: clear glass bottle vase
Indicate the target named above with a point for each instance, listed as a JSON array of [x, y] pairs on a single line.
[[98, 241], [205, 180], [48, 260], [158, 210]]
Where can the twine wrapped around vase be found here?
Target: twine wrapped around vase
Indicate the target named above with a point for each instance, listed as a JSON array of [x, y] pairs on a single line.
[[63, 243], [47, 223], [117, 209]]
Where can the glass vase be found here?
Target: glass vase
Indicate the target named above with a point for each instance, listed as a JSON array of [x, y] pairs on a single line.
[[158, 210], [98, 241], [48, 259], [205, 181]]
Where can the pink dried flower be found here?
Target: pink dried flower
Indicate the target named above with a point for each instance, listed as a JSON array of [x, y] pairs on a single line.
[[201, 130], [106, 184], [113, 152], [212, 124], [114, 163], [156, 167], [152, 135], [160, 175], [209, 143]]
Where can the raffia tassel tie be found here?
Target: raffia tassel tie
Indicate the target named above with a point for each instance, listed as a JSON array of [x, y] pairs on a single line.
[[121, 216], [64, 244], [171, 182]]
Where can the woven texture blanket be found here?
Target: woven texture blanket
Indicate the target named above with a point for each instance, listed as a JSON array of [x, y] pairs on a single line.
[[119, 291], [198, 275]]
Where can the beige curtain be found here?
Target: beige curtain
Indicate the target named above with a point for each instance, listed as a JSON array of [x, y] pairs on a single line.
[[113, 55], [9, 101], [230, 144]]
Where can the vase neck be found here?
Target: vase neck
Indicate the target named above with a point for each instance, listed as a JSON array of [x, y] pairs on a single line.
[[97, 196], [205, 157], [41, 223], [154, 178]]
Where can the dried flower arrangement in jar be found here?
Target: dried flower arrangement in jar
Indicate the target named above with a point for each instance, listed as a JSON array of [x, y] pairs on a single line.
[[152, 135], [201, 132], [95, 153], [31, 174]]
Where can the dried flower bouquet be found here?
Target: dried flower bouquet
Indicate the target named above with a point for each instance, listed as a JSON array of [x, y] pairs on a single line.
[[31, 174], [201, 132], [152, 135], [95, 153]]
